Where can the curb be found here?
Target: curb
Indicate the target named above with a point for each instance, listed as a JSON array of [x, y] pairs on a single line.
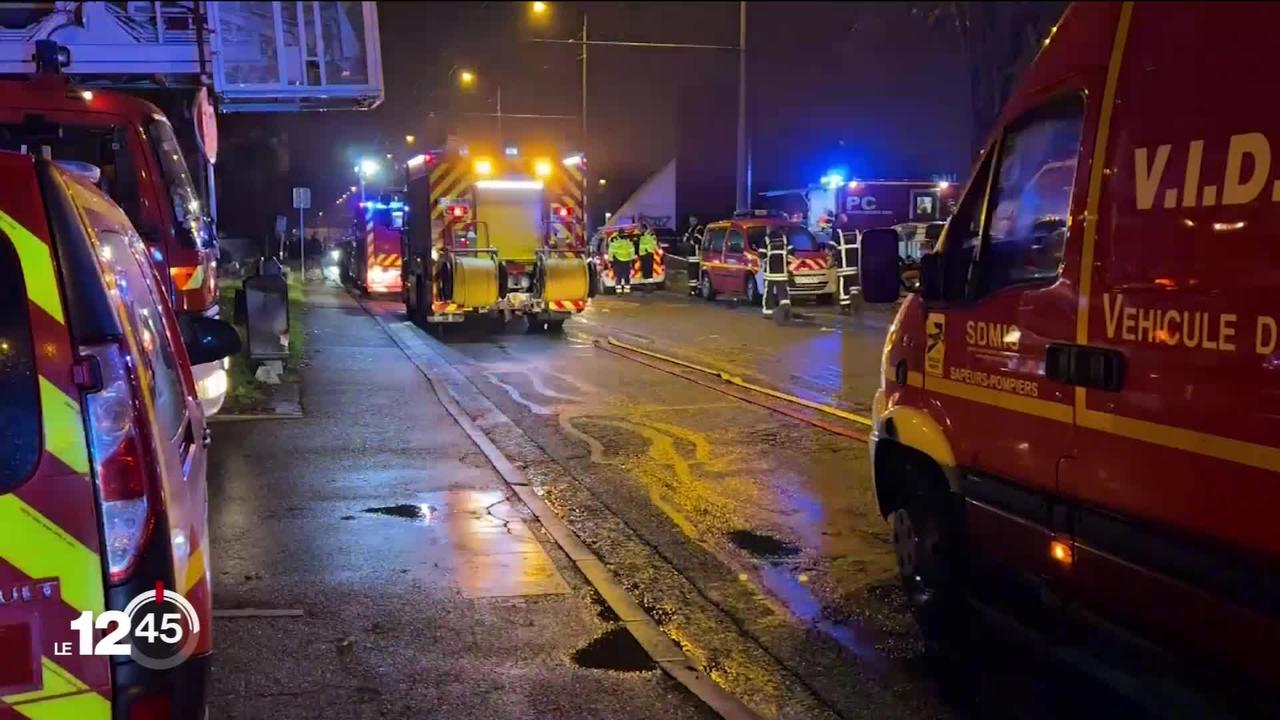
[[643, 628]]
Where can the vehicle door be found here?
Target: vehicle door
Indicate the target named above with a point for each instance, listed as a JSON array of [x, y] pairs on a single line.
[[713, 252], [1176, 474], [1005, 299], [177, 421], [731, 280], [51, 565]]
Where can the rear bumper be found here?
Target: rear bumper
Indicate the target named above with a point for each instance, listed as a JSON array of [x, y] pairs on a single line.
[[184, 689]]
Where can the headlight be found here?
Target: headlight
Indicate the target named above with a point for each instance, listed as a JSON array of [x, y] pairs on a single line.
[[336, 254]]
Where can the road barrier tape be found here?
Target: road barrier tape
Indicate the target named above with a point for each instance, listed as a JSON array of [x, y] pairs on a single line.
[[735, 380]]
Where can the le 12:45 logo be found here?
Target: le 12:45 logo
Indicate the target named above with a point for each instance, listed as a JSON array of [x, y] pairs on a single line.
[[157, 629]]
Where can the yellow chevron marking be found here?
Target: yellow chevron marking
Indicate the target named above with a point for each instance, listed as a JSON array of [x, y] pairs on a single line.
[[63, 427], [39, 548], [61, 696], [37, 267]]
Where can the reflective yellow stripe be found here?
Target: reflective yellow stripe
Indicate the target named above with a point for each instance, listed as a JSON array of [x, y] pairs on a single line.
[[63, 427], [37, 267], [195, 569], [1047, 409], [61, 697], [35, 545]]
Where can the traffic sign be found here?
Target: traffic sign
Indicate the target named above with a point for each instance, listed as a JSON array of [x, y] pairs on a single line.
[[301, 198]]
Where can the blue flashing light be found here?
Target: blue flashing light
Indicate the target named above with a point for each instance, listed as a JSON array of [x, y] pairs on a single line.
[[832, 180]]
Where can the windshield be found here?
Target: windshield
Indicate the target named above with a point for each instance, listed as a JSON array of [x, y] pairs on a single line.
[[186, 204], [798, 237]]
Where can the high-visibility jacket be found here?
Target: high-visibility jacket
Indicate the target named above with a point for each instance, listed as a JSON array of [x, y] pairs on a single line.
[[621, 248], [648, 243]]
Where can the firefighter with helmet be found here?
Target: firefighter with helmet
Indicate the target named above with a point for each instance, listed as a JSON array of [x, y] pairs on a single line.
[[621, 254]]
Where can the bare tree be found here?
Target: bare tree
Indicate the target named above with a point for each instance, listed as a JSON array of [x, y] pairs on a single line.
[[998, 40]]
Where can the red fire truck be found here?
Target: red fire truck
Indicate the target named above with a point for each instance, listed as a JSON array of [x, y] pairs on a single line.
[[866, 204], [374, 262]]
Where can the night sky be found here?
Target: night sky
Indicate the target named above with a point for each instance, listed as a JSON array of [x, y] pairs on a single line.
[[866, 87]]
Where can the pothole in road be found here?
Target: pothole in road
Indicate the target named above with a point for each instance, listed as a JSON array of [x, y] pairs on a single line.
[[403, 510], [763, 546], [615, 649]]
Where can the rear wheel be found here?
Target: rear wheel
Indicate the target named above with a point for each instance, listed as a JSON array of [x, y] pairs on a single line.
[[555, 326], [705, 288], [753, 292]]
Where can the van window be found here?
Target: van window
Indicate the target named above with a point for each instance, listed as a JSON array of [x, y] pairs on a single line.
[[735, 242], [714, 241], [1031, 197], [135, 280], [20, 410], [105, 147], [964, 230]]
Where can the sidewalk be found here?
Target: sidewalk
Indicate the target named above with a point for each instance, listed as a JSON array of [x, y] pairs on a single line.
[[426, 588]]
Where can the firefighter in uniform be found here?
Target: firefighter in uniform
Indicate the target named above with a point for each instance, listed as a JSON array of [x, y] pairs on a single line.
[[648, 250], [621, 254]]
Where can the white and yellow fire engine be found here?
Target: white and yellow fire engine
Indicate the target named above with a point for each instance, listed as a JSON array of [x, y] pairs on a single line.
[[499, 236]]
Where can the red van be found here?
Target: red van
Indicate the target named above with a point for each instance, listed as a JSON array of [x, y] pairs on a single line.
[[102, 472], [1079, 418], [732, 250]]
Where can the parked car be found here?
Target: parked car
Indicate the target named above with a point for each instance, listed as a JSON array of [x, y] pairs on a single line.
[[730, 259], [102, 475], [1078, 424]]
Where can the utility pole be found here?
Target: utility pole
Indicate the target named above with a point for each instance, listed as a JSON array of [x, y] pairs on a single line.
[[584, 84], [501, 140], [743, 184]]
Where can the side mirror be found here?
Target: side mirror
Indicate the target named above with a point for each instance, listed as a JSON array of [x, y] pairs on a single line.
[[878, 265], [208, 339]]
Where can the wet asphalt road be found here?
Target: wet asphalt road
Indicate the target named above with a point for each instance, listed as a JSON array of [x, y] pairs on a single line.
[[752, 538], [447, 600]]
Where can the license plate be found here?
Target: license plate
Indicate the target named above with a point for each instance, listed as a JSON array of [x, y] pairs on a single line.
[[810, 280]]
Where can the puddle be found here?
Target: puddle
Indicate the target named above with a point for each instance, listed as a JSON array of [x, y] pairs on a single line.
[[405, 510], [763, 546], [799, 598], [615, 650]]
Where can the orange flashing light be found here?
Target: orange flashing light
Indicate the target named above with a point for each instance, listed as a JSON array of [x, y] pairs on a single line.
[[1060, 552]]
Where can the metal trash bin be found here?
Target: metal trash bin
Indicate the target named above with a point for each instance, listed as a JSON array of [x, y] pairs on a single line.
[[266, 303]]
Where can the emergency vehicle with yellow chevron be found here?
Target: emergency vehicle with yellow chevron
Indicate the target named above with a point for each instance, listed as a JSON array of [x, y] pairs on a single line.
[[376, 260], [102, 474], [501, 235]]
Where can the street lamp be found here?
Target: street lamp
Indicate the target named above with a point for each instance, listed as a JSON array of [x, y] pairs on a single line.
[[743, 181], [602, 182], [409, 139], [367, 168], [467, 79]]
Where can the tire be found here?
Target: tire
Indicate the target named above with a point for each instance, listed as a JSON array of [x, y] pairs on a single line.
[[555, 327], [420, 311], [754, 297], [705, 288], [928, 546], [661, 284]]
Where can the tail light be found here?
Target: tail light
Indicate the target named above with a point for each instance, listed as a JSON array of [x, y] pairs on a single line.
[[564, 212], [118, 446]]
